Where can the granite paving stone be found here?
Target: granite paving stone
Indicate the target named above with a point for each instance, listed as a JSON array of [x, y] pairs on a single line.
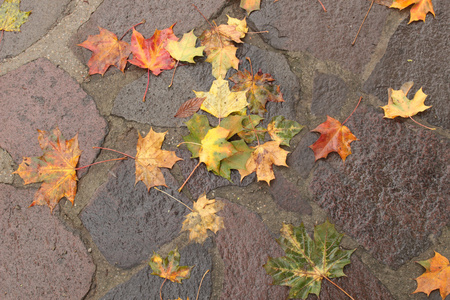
[[143, 285], [302, 158], [127, 222], [329, 95], [304, 26], [245, 245], [39, 257], [388, 195], [416, 52], [38, 95]]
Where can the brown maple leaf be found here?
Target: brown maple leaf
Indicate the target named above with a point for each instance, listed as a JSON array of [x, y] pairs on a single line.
[[55, 169], [334, 137], [419, 8], [436, 276], [150, 158], [107, 51], [202, 218]]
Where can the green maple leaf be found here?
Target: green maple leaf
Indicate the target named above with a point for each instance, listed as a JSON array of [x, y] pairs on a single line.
[[283, 130], [214, 148], [307, 262], [11, 18], [237, 161], [184, 50], [252, 131], [169, 267], [198, 125]]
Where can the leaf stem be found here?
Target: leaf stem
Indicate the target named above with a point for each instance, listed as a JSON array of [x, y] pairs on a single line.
[[99, 162], [142, 22], [173, 75], [188, 143], [199, 162], [103, 148], [167, 194], [148, 82], [422, 124], [160, 289], [322, 6], [360, 98], [203, 15], [370, 7], [339, 287], [201, 281]]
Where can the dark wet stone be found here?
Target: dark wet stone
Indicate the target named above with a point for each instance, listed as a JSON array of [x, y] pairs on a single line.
[[287, 196], [245, 245], [126, 222], [143, 285], [302, 158], [304, 26], [38, 95], [392, 192], [329, 95], [39, 258], [415, 53], [44, 14]]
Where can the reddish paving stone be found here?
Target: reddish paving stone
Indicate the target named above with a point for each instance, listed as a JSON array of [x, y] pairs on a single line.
[[38, 95], [126, 222], [39, 258], [304, 26], [44, 15], [329, 95], [143, 285], [392, 192], [415, 53], [245, 245]]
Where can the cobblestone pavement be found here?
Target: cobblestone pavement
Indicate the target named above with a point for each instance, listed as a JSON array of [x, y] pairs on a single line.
[[390, 198]]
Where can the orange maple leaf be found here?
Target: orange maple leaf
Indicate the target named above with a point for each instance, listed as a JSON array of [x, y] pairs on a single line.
[[149, 158], [107, 51], [418, 11], [151, 53], [55, 169], [334, 137], [436, 276], [250, 5]]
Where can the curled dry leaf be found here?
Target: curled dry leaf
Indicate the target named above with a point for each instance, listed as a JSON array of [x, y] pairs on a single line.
[[436, 276], [169, 267]]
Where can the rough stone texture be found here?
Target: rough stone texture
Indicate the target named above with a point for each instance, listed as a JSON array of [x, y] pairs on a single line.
[[245, 245], [293, 26], [203, 181], [38, 95], [39, 258], [360, 283], [143, 285], [126, 222], [392, 192], [302, 158], [287, 196], [6, 167], [429, 66], [44, 14], [329, 95]]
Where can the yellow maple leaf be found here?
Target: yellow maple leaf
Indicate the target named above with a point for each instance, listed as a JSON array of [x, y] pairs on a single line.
[[436, 276], [214, 148], [11, 17], [419, 8], [240, 25]]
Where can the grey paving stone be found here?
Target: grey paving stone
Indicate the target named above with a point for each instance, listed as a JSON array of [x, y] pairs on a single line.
[[416, 53], [126, 222], [304, 26], [392, 192], [244, 245], [329, 95], [38, 95], [302, 158], [39, 258], [6, 167], [143, 285], [44, 15]]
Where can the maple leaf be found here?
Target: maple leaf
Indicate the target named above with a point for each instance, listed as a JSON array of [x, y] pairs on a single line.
[[11, 18], [237, 161], [400, 106], [262, 159], [107, 51], [436, 276], [214, 148], [189, 107], [250, 5], [220, 101], [55, 169], [169, 267], [252, 131], [334, 137], [149, 158], [307, 262], [283, 130], [198, 126], [419, 9], [202, 218], [184, 50], [151, 53], [259, 89], [240, 25]]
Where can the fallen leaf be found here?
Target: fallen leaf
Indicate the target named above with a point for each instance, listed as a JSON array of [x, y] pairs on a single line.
[[252, 132], [55, 169], [150, 158], [169, 267], [184, 50], [107, 51], [400, 106], [198, 126], [283, 130], [214, 148], [436, 276], [233, 123], [189, 107], [262, 160], [220, 101], [241, 25], [307, 262], [250, 5], [334, 137], [237, 161], [11, 18], [202, 218], [419, 8]]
